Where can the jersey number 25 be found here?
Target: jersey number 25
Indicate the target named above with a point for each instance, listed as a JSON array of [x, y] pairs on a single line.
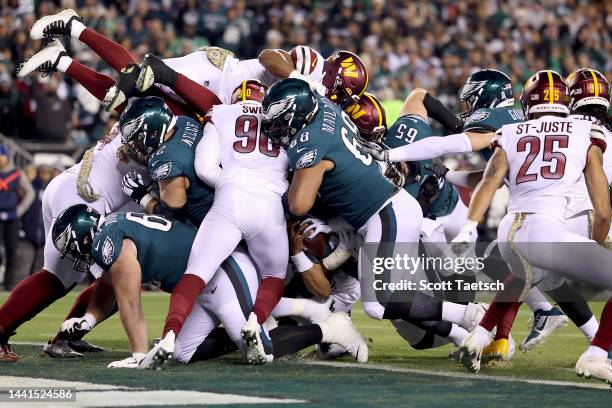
[[247, 129], [548, 155]]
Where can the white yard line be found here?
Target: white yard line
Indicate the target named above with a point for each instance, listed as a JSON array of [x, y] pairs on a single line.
[[461, 376]]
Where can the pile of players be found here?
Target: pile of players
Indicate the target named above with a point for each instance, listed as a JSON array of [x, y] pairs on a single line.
[[190, 191]]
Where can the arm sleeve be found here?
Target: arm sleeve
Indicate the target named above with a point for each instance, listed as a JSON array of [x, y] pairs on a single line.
[[208, 156], [28, 197], [431, 147]]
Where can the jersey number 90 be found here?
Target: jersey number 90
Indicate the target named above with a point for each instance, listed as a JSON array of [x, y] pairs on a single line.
[[247, 128]]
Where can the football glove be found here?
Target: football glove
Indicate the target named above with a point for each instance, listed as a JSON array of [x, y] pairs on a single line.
[[316, 227], [466, 237], [378, 152], [437, 167], [135, 187], [130, 362]]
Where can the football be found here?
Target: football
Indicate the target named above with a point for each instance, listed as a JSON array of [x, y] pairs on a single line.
[[318, 245]]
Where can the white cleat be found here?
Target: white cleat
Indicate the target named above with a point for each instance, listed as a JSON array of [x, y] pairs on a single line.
[[471, 350], [255, 352], [44, 61], [339, 329], [129, 362], [56, 25], [473, 315], [599, 368], [159, 354]]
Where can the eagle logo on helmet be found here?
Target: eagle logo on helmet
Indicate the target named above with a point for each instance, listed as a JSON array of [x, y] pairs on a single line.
[[63, 240], [277, 108], [132, 127], [472, 87]]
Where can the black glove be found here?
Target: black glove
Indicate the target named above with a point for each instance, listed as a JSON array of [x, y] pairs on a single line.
[[134, 186], [437, 168], [428, 190]]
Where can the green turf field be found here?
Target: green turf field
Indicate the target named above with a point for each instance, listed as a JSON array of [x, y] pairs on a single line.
[[395, 376]]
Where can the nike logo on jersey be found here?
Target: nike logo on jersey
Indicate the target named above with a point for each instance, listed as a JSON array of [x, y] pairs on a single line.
[[213, 290], [300, 150]]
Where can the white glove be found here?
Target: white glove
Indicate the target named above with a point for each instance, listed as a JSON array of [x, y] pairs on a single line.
[[317, 226], [130, 362], [135, 187], [314, 86], [466, 237]]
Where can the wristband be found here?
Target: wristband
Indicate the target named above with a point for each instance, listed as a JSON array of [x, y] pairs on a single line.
[[145, 200], [302, 262], [337, 258]]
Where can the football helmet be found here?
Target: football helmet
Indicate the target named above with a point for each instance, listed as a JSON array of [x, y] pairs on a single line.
[[289, 105], [487, 88], [249, 90], [369, 116], [143, 124], [73, 233], [588, 87], [545, 92], [346, 78]]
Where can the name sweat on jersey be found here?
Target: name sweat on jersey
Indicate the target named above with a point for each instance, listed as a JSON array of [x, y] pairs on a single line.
[[355, 188], [546, 158], [176, 158], [163, 245]]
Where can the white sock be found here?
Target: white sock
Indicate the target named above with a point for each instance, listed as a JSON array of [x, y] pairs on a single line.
[[288, 307], [536, 301], [483, 333], [457, 334], [595, 351], [76, 28], [590, 328], [64, 63], [453, 312]]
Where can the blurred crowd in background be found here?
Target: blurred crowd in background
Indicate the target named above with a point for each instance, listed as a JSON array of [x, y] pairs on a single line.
[[405, 44]]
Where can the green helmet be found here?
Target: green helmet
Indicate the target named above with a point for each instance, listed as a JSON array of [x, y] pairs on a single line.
[[144, 123], [73, 234], [289, 105], [487, 88]]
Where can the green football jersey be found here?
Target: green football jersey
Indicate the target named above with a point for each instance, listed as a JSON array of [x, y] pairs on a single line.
[[408, 129], [163, 245], [175, 158], [356, 188], [490, 120]]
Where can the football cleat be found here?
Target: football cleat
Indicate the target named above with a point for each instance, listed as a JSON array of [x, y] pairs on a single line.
[[56, 25], [60, 349], [473, 315], [339, 329], [83, 346], [153, 70], [159, 354], [124, 88], [7, 355], [599, 368], [471, 350], [129, 362], [543, 324], [255, 348], [44, 61], [326, 351], [499, 350]]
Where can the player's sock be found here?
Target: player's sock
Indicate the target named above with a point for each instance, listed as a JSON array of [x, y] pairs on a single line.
[[79, 307], [535, 300], [483, 333], [218, 343], [182, 300], [307, 308], [269, 293], [505, 325], [457, 334], [76, 28], [291, 339], [573, 305], [201, 99], [603, 337], [96, 83], [32, 295], [112, 53], [503, 301], [453, 312], [590, 328], [436, 110], [64, 63], [414, 306]]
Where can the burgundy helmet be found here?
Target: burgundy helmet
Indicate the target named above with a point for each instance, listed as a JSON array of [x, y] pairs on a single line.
[[369, 116], [249, 90], [588, 87], [545, 92], [346, 78]]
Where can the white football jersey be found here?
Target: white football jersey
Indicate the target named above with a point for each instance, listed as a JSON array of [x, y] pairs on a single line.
[[308, 62], [107, 171], [246, 155], [546, 158], [579, 196], [219, 71]]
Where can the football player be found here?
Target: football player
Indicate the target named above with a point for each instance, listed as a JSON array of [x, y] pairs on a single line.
[[249, 174], [325, 154], [342, 77], [166, 143], [524, 154], [96, 181], [136, 248]]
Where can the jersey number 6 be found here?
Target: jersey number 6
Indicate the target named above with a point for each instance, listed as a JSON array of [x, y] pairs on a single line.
[[247, 128]]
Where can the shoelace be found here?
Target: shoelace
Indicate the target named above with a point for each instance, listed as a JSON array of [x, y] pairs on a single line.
[[533, 321]]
